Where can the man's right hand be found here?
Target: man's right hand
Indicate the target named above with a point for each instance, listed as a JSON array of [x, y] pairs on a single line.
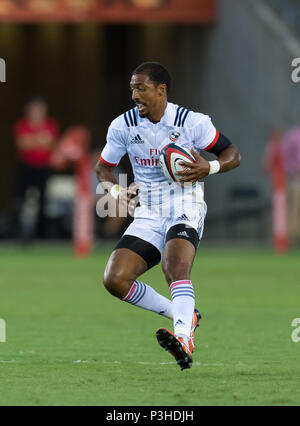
[[128, 198]]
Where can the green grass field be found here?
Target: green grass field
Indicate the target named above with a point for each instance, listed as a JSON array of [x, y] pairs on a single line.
[[70, 343]]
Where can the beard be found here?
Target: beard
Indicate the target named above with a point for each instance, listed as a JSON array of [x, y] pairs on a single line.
[[144, 114]]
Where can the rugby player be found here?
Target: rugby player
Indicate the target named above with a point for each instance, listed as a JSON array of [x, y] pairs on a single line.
[[142, 132]]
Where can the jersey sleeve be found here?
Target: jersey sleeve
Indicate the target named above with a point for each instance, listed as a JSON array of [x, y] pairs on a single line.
[[115, 147], [205, 135]]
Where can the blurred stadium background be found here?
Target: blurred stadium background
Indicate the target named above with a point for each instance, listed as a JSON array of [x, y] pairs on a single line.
[[82, 68], [230, 59]]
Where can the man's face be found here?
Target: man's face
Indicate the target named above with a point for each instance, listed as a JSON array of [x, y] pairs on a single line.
[[36, 111], [146, 94]]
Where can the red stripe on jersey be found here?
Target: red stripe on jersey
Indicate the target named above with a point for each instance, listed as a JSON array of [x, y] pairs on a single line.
[[107, 163], [213, 142]]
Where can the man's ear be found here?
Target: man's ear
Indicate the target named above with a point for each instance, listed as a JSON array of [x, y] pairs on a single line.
[[162, 89]]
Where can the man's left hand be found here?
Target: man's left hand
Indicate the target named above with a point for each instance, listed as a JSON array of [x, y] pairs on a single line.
[[194, 171]]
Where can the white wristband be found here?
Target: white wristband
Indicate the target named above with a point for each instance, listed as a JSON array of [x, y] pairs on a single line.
[[115, 191], [214, 167]]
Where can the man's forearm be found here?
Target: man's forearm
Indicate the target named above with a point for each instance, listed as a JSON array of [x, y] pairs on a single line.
[[229, 159], [105, 175]]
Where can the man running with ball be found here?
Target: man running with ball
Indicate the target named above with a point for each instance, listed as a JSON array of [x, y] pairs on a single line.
[[173, 239]]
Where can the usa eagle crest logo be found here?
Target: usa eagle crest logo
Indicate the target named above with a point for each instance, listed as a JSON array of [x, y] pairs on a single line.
[[174, 136]]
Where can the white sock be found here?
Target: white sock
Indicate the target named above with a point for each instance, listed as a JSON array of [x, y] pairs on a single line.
[[183, 301], [146, 297]]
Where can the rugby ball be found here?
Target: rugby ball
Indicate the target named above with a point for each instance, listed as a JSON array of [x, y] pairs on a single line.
[[170, 157]]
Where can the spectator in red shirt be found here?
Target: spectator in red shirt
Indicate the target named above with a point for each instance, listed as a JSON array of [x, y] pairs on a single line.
[[35, 136]]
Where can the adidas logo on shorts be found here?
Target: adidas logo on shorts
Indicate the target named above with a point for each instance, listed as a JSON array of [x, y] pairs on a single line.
[[183, 234], [137, 139], [183, 217]]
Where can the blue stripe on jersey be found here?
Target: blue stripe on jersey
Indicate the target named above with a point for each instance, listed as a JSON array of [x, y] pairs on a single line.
[[180, 116], [130, 118], [177, 113], [134, 117], [160, 196], [172, 192], [149, 197], [182, 197], [184, 117], [126, 120]]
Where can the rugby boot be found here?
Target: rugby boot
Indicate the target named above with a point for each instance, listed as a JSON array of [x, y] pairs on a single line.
[[195, 324], [176, 347]]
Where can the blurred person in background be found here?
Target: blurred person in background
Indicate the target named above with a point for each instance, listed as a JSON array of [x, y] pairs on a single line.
[[35, 137], [291, 158]]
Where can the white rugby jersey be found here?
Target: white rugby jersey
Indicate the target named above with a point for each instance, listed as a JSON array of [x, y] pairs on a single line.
[[143, 141]]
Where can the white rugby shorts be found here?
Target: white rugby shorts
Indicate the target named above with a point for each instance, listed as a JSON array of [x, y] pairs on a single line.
[[153, 223]]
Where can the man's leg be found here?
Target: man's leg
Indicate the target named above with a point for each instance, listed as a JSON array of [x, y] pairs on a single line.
[[122, 271], [177, 264]]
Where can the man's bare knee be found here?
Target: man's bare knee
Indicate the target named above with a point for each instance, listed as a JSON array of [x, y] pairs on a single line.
[[123, 267], [117, 283]]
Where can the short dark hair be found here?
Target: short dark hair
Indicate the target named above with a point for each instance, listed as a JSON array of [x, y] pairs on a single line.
[[33, 98], [156, 72]]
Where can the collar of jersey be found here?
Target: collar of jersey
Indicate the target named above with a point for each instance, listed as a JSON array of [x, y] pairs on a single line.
[[167, 118]]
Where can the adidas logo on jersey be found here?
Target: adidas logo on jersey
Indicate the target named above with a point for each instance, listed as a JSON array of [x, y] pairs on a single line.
[[137, 139], [183, 217], [183, 234]]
